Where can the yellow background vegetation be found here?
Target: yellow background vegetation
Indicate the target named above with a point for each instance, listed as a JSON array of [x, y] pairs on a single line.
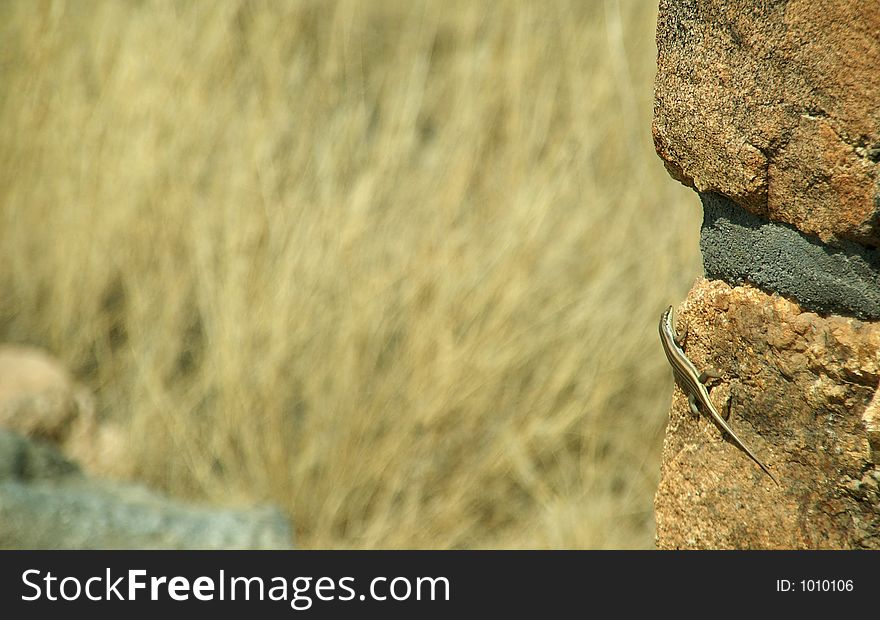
[[393, 265]]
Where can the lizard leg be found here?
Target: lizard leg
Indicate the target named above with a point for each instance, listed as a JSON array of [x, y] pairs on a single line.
[[692, 404], [710, 374], [729, 407], [679, 340]]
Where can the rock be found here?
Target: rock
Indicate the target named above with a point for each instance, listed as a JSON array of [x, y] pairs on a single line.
[[739, 247], [776, 106], [871, 419], [26, 461], [47, 503], [801, 390], [39, 398]]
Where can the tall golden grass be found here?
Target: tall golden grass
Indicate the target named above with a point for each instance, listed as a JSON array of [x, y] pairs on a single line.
[[393, 265]]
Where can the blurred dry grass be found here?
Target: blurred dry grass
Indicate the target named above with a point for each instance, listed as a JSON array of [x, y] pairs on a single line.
[[394, 265]]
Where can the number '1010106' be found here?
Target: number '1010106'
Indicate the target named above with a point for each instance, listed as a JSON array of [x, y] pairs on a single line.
[[814, 585]]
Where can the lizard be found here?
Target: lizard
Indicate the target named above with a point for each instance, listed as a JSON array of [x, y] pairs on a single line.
[[693, 383]]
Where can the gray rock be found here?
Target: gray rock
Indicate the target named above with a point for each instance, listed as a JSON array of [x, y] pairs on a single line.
[[45, 503], [739, 247], [25, 460]]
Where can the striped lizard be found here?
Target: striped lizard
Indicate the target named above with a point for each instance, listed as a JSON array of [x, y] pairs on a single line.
[[693, 382]]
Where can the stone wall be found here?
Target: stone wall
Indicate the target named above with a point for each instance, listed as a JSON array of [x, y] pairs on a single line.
[[771, 111]]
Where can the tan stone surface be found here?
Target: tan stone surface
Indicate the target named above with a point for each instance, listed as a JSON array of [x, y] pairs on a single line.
[[777, 106], [800, 386], [39, 398]]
